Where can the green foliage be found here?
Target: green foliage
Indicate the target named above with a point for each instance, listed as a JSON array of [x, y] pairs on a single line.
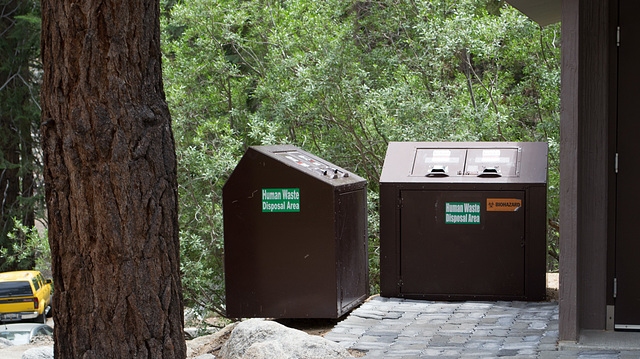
[[373, 221], [206, 95], [19, 119], [341, 79], [28, 247]]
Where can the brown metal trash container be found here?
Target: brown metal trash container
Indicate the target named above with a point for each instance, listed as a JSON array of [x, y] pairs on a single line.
[[464, 221], [295, 236]]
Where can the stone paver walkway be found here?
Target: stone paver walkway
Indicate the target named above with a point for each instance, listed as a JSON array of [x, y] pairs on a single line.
[[402, 328]]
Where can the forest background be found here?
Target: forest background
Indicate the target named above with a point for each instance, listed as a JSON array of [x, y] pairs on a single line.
[[338, 78]]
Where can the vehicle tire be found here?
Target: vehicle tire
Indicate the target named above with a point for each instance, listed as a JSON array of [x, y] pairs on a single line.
[[42, 318], [50, 312]]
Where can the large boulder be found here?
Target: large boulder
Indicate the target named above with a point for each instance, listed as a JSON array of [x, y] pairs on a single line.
[[263, 339], [38, 353]]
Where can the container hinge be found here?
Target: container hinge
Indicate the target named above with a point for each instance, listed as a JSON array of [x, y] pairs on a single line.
[[400, 283], [615, 165], [615, 287], [399, 202], [618, 36]]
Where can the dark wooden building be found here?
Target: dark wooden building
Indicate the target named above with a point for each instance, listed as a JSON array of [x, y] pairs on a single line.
[[599, 162]]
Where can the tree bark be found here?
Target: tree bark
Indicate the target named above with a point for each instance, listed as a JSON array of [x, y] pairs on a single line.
[[110, 177]]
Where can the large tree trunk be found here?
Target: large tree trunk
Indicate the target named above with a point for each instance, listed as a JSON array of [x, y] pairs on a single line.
[[110, 176]]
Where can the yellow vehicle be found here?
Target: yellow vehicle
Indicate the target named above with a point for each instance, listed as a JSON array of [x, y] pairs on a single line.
[[25, 295]]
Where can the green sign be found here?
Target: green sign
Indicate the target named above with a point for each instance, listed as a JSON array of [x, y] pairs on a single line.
[[462, 213], [281, 200]]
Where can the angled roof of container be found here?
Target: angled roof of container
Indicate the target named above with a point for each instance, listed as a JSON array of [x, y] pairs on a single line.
[[544, 12], [295, 160]]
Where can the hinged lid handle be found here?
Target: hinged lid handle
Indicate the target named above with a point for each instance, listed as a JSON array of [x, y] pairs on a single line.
[[490, 171], [438, 171]]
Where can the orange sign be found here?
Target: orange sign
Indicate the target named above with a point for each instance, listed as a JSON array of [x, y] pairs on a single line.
[[503, 204]]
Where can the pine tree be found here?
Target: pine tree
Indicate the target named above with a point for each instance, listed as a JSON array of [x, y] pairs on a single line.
[[19, 117], [111, 188]]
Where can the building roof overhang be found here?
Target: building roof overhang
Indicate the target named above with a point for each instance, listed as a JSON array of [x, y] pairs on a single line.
[[544, 12]]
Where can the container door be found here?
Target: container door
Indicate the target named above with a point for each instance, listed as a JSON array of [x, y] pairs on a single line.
[[352, 256], [627, 301], [462, 244]]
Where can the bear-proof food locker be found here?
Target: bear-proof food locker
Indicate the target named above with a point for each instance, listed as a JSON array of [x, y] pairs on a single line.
[[295, 236], [462, 221]]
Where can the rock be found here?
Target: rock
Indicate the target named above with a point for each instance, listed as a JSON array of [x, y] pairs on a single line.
[[209, 343], [192, 315], [190, 333], [263, 339], [38, 353], [267, 349], [5, 343]]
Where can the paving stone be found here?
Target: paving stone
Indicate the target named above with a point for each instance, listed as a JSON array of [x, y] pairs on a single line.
[[599, 356], [386, 330], [377, 339], [548, 347], [532, 338], [629, 355], [354, 320], [527, 352], [341, 337], [392, 353], [475, 344], [548, 355], [480, 332], [452, 352], [515, 336], [500, 332], [439, 339], [407, 346], [407, 315], [458, 339], [383, 333], [507, 352], [368, 346], [399, 328], [375, 354], [492, 345], [553, 325], [354, 331], [518, 345], [368, 315], [519, 325], [507, 322], [466, 315], [538, 325]]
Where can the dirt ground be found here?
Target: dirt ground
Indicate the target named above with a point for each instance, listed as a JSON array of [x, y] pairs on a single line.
[[15, 351], [553, 285]]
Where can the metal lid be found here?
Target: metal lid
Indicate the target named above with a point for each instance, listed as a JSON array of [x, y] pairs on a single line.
[[305, 162], [467, 162]]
